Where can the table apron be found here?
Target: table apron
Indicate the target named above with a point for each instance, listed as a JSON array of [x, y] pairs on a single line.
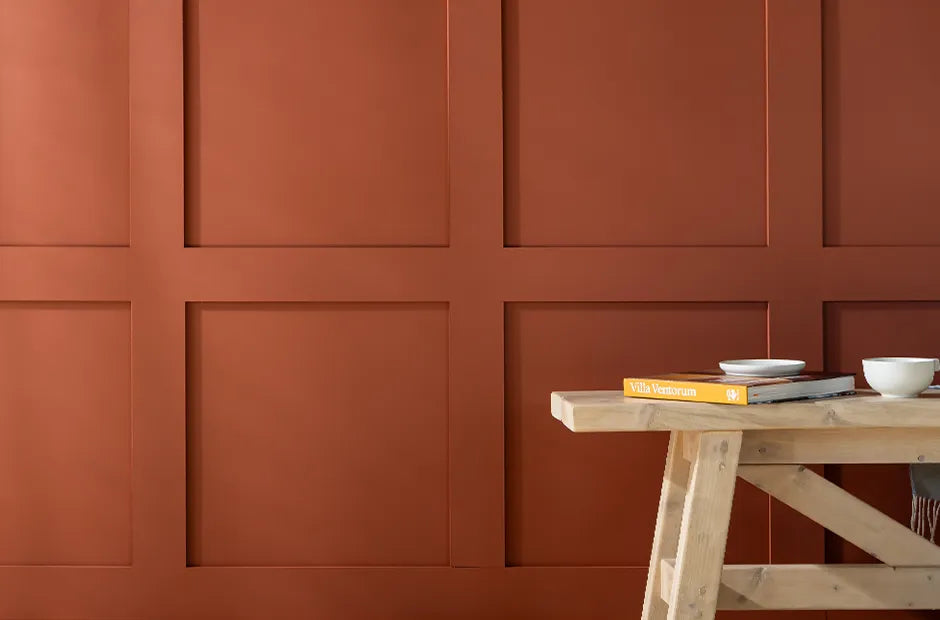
[[842, 445]]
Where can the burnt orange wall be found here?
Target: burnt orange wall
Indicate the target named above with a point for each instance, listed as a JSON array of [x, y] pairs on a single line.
[[285, 285]]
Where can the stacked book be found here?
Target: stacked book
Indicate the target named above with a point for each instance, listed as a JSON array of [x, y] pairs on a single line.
[[714, 386]]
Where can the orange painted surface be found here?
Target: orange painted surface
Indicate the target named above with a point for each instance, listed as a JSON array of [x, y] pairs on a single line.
[[358, 243], [274, 404], [880, 122], [303, 116], [64, 122], [647, 149]]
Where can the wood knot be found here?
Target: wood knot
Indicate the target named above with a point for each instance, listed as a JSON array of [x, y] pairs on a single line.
[[758, 577]]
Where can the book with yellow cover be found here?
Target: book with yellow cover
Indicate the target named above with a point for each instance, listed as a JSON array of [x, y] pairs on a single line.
[[714, 386]]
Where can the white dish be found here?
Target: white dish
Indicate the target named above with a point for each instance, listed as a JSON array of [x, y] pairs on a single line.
[[762, 367], [900, 377]]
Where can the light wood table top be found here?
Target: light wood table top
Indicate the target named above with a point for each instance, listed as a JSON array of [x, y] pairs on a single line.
[[769, 445], [607, 411]]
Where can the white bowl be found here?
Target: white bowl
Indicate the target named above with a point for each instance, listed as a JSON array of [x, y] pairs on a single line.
[[900, 377]]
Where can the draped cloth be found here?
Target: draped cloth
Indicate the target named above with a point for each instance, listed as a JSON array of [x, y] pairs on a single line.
[[925, 505]]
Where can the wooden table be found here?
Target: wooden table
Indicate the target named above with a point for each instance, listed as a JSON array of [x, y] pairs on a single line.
[[769, 445]]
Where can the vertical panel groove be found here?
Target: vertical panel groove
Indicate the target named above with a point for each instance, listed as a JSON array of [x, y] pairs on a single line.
[[191, 107]]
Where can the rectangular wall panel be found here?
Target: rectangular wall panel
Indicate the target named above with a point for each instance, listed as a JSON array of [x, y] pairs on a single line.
[[634, 122], [65, 434], [881, 94], [317, 434], [591, 499], [316, 122], [854, 331], [64, 122]]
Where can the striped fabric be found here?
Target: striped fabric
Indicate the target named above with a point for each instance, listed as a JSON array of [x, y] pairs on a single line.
[[925, 506]]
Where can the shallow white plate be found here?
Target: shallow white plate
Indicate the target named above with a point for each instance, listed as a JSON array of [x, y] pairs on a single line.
[[762, 368]]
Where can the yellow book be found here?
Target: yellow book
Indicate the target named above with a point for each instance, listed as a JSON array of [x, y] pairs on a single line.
[[717, 387]]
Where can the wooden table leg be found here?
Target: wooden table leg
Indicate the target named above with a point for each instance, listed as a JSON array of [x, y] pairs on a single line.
[[704, 530], [668, 521]]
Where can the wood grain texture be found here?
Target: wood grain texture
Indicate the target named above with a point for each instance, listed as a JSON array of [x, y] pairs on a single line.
[[690, 445], [704, 530], [856, 445], [843, 514], [821, 586], [609, 410], [668, 522]]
